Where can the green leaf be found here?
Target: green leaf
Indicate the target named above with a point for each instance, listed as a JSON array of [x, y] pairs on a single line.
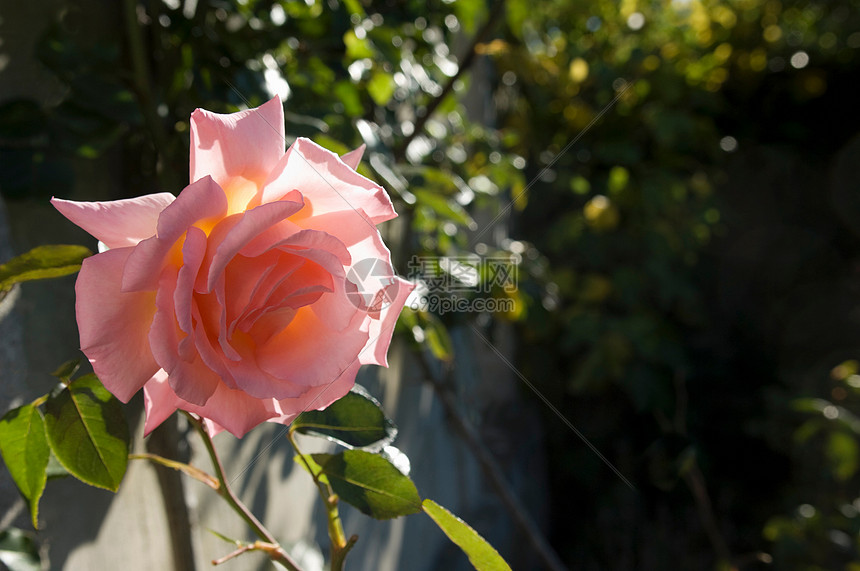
[[18, 551], [842, 452], [437, 338], [88, 433], [381, 87], [65, 371], [223, 537], [370, 483], [357, 48], [481, 554], [468, 12], [517, 12], [354, 7], [580, 185], [354, 421], [41, 263], [618, 179], [830, 411], [26, 453], [445, 208], [350, 97]]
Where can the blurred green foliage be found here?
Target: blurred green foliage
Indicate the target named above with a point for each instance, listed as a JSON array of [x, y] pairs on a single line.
[[678, 177], [689, 239]]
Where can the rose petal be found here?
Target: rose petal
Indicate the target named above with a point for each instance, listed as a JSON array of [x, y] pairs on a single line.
[[371, 269], [309, 352], [266, 323], [212, 428], [200, 204], [271, 269], [299, 240], [223, 341], [210, 351], [225, 410], [335, 309], [348, 226], [327, 183], [238, 148], [117, 223], [251, 379], [193, 252], [235, 411], [250, 225], [159, 401], [309, 279], [320, 248], [353, 158], [319, 397], [381, 329], [191, 380], [113, 325], [369, 247]]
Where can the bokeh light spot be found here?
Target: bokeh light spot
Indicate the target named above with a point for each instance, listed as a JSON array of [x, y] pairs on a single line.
[[799, 60]]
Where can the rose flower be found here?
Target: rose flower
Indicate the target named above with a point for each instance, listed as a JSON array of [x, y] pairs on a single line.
[[255, 294]]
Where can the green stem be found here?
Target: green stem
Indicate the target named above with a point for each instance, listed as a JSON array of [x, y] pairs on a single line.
[[276, 552], [340, 545], [338, 556], [335, 525]]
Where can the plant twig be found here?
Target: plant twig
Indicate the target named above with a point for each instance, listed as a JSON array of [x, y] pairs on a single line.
[[276, 553], [272, 549], [491, 469], [186, 469], [237, 552], [464, 64]]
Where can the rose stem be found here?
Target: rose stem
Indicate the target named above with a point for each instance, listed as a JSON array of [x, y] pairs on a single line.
[[340, 546], [276, 553]]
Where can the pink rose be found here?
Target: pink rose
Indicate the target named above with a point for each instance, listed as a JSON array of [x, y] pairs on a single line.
[[246, 298]]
